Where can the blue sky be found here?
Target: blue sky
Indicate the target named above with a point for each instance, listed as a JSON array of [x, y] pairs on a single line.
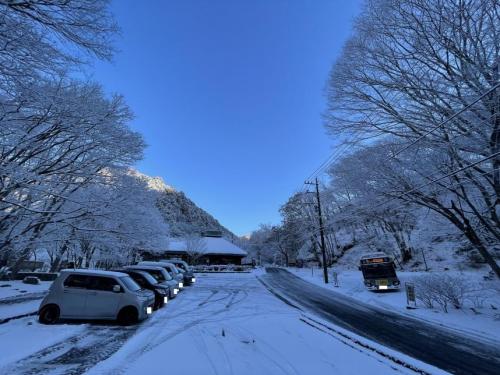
[[229, 96]]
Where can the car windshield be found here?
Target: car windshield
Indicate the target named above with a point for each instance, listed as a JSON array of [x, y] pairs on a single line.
[[157, 274], [167, 275], [150, 279], [130, 284], [173, 269], [182, 267], [160, 275]]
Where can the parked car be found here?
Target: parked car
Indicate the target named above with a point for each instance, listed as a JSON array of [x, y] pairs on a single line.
[[184, 268], [170, 268], [161, 276], [95, 294], [31, 280], [5, 273], [146, 281]]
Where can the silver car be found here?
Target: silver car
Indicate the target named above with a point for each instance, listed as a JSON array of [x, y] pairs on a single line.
[[95, 294], [170, 268]]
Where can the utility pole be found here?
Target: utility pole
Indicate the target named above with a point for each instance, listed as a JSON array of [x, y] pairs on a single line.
[[321, 230]]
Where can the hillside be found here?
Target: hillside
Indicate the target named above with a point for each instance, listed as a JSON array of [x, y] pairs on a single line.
[[182, 215]]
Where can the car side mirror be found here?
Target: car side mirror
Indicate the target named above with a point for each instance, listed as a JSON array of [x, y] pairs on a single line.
[[359, 268], [117, 288]]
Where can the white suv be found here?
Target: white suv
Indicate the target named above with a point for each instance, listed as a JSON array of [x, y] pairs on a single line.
[[95, 294]]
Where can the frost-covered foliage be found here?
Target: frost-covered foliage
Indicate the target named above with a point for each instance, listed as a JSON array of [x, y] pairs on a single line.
[[185, 217], [415, 98], [414, 78], [64, 144], [445, 290], [263, 245]]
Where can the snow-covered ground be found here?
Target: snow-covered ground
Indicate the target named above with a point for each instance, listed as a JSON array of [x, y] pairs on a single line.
[[225, 324], [485, 321], [17, 288], [17, 298]]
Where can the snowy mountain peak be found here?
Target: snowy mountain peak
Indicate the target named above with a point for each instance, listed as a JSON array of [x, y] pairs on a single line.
[[154, 183]]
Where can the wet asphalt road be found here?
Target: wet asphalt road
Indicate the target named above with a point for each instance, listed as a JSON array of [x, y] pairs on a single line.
[[446, 349]]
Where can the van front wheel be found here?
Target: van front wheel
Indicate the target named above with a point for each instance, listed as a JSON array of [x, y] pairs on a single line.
[[128, 316], [49, 314]]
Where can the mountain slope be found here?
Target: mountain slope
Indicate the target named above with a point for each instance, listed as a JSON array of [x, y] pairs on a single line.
[[182, 215]]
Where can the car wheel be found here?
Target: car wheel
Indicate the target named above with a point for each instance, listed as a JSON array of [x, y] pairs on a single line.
[[128, 316], [49, 314]]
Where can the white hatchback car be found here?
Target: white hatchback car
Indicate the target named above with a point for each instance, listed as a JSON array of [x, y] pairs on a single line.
[[95, 294]]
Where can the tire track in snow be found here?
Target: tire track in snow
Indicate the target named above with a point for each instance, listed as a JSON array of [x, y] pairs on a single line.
[[76, 354], [158, 336]]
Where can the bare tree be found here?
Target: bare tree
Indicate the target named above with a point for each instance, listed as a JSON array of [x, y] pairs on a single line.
[[195, 247], [423, 76]]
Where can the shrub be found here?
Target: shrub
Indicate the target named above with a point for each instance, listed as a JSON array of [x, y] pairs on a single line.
[[443, 290]]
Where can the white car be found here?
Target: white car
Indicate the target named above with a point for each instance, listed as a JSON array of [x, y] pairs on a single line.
[[95, 294]]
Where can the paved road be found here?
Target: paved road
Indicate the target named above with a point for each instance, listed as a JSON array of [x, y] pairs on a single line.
[[429, 343]]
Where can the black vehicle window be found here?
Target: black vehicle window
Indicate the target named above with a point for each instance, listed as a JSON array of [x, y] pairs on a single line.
[[76, 281], [139, 279], [102, 283], [130, 283], [157, 275], [150, 279]]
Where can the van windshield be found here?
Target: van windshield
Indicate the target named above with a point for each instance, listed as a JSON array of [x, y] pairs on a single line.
[[149, 278], [159, 275], [173, 269], [130, 284], [377, 271]]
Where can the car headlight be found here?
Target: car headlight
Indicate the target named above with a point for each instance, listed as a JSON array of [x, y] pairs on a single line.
[[149, 310], [165, 300], [193, 279], [181, 285], [176, 291]]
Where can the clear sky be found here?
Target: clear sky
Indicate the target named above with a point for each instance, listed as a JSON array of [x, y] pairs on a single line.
[[229, 95]]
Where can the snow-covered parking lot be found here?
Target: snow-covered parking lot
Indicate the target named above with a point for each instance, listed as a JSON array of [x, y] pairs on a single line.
[[17, 298], [225, 324]]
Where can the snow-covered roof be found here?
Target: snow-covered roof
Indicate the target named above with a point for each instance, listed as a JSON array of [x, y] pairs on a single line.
[[208, 245]]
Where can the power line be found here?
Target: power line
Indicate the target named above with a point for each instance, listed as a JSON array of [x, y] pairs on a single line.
[[441, 124]]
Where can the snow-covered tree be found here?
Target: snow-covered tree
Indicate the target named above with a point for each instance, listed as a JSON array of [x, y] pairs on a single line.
[[423, 76]]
